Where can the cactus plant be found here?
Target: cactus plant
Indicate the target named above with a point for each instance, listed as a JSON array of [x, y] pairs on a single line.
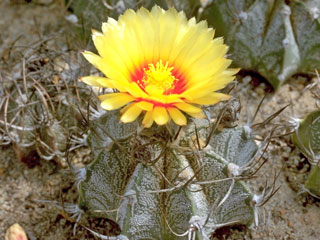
[[158, 187], [40, 107], [307, 139], [268, 37], [166, 181]]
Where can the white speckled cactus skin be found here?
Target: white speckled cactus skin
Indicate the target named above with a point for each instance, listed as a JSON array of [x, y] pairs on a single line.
[[158, 187]]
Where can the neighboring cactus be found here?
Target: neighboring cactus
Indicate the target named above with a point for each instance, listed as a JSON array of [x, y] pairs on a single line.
[[40, 108], [157, 186], [307, 139], [268, 37]]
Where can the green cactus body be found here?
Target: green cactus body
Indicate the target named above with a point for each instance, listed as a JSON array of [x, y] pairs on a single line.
[[313, 181], [152, 191], [307, 139], [307, 136]]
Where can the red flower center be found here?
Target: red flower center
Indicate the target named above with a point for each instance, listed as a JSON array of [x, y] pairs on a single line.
[[163, 77]]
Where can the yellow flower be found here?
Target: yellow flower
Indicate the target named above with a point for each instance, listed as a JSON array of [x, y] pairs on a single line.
[[161, 63]]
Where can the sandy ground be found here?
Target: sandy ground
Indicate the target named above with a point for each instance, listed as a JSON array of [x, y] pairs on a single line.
[[287, 215]]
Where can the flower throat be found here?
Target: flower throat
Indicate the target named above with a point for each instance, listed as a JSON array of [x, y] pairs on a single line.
[[159, 76]]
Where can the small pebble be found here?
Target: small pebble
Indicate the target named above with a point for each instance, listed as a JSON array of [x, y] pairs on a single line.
[[247, 79], [15, 232], [260, 91]]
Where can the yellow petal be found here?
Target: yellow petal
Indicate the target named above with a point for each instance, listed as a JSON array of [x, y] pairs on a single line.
[[174, 98], [131, 113], [197, 115], [92, 58], [97, 81], [96, 61], [154, 91], [177, 116], [135, 90], [188, 108], [209, 85], [125, 108], [109, 25], [147, 120], [210, 99], [160, 115], [197, 42], [114, 55], [110, 95], [169, 26], [145, 105], [115, 101]]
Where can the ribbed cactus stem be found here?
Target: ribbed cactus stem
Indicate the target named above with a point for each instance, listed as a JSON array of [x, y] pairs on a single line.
[[158, 189]]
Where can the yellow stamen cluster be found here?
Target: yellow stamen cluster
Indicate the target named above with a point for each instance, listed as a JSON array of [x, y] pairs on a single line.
[[159, 76]]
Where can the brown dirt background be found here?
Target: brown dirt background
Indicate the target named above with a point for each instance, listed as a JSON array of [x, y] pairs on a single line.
[[288, 215]]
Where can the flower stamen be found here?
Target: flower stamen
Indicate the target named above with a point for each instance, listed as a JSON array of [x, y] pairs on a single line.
[[159, 75]]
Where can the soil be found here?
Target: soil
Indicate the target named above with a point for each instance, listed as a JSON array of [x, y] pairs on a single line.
[[26, 191]]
